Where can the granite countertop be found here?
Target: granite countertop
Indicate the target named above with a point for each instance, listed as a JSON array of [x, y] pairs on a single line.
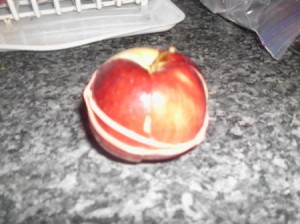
[[247, 171]]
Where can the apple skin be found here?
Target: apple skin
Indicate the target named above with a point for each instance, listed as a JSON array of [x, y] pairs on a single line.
[[119, 88], [147, 104]]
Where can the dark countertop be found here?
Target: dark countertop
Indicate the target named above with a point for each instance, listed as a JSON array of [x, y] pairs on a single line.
[[247, 171]]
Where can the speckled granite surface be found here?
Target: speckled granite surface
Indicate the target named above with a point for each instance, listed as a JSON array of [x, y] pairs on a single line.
[[247, 171]]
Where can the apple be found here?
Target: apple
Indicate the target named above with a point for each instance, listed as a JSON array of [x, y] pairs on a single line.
[[147, 104]]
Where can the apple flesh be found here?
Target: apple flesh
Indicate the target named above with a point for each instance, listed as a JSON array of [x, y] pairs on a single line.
[[147, 104]]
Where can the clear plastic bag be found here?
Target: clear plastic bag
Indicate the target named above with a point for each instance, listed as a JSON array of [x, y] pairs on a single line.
[[277, 22]]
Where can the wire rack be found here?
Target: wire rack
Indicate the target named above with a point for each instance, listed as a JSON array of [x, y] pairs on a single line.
[[58, 24], [13, 9]]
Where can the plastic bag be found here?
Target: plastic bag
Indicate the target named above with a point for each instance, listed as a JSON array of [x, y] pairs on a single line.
[[277, 22]]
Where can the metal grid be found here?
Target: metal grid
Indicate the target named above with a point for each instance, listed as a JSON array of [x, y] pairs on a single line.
[[17, 9], [59, 24]]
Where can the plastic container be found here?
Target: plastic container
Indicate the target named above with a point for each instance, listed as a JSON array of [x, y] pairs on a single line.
[[59, 24]]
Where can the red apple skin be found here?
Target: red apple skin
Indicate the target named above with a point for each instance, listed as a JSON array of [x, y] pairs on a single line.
[[123, 155], [146, 104], [120, 153], [115, 151], [184, 109], [118, 88], [177, 103], [119, 136]]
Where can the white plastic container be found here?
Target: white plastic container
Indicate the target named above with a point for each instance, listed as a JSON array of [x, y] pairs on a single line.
[[59, 24]]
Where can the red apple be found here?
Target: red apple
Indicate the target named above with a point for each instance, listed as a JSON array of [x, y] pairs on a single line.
[[147, 104]]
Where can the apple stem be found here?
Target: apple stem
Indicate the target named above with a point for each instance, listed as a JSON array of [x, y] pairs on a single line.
[[156, 63]]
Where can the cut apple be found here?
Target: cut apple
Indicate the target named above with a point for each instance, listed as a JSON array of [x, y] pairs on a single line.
[[147, 104]]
